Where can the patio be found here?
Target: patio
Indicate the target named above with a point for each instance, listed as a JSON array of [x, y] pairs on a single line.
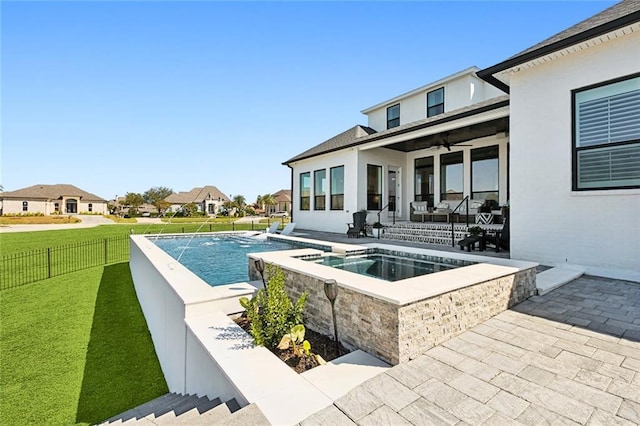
[[571, 357]]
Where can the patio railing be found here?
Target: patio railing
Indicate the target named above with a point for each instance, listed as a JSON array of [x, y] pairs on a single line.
[[26, 267]]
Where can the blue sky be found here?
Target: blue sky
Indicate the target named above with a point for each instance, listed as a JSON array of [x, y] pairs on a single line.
[[120, 96]]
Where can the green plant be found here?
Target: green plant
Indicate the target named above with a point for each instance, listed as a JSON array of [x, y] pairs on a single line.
[[475, 230], [295, 340], [272, 315], [377, 225]]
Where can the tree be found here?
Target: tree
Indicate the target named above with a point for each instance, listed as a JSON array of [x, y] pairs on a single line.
[[189, 208], [156, 196], [239, 202], [133, 200], [269, 201]]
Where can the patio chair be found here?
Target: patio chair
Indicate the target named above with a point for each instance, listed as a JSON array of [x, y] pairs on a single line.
[[358, 227], [287, 229], [273, 228], [500, 239]]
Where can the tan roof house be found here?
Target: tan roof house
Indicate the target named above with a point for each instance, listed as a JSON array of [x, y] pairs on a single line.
[[283, 201], [51, 199], [208, 199], [119, 206]]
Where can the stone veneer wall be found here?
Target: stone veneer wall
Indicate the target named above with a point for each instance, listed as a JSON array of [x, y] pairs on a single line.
[[429, 322], [397, 333]]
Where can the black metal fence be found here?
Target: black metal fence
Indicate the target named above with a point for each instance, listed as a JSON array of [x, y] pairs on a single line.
[[22, 268]]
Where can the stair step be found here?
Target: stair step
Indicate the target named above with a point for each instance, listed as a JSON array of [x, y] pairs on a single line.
[[208, 405], [216, 414], [249, 415], [233, 405], [144, 409]]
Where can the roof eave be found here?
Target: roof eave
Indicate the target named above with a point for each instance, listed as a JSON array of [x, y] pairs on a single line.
[[467, 71], [374, 138], [488, 74]]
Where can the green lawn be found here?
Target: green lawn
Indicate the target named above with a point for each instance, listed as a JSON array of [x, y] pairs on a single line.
[[76, 348], [13, 242]]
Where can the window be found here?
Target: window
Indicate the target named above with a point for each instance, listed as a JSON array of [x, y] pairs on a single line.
[[374, 187], [56, 207], [90, 207], [336, 177], [484, 174], [424, 180], [211, 208], [435, 102], [25, 206], [451, 176], [393, 116], [305, 190], [319, 192], [606, 135]]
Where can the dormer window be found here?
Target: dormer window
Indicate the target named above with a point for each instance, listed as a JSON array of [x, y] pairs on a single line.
[[393, 116], [435, 102]]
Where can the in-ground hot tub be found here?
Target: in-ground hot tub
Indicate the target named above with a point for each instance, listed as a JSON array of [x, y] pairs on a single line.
[[399, 320]]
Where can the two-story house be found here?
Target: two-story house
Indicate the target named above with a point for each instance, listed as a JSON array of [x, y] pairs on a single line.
[[442, 141], [563, 149], [208, 199]]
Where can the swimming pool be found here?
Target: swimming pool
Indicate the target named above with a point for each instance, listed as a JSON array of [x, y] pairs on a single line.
[[384, 265], [219, 259]]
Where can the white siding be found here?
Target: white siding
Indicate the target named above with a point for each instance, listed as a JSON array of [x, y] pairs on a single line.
[[550, 224], [327, 220], [458, 93]]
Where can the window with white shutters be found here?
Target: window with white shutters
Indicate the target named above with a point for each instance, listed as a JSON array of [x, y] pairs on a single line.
[[607, 135]]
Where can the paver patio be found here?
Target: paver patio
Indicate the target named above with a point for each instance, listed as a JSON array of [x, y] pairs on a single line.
[[569, 357]]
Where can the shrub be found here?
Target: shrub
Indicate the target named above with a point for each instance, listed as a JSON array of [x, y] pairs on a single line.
[[272, 314]]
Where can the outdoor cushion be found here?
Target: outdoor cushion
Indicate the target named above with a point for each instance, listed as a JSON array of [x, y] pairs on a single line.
[[443, 205], [484, 218], [420, 206]]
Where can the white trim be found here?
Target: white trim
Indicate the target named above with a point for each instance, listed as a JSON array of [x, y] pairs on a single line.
[[469, 71]]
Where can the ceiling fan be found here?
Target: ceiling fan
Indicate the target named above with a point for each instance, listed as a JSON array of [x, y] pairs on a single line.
[[445, 142]]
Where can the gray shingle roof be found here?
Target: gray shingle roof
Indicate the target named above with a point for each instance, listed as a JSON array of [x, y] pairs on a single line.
[[196, 195], [343, 140], [359, 135], [611, 14], [51, 192], [617, 16]]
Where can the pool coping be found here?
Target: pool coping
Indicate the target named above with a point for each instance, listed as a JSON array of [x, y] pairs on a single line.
[[401, 292]]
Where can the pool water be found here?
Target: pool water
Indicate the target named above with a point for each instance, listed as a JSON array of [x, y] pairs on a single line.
[[219, 259], [389, 267]]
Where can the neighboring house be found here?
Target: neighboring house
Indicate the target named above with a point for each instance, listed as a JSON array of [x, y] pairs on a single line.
[[52, 199], [575, 145], [442, 141], [120, 207], [283, 202], [573, 190], [209, 200]]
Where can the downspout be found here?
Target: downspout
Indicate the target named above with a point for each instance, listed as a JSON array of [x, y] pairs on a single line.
[[292, 197]]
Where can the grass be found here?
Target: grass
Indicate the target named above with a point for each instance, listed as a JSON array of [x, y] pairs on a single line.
[[36, 220], [14, 242], [75, 349]]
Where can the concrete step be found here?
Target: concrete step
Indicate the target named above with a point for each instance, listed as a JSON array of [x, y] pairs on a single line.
[[249, 415], [172, 409], [144, 409], [216, 414], [553, 278]]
